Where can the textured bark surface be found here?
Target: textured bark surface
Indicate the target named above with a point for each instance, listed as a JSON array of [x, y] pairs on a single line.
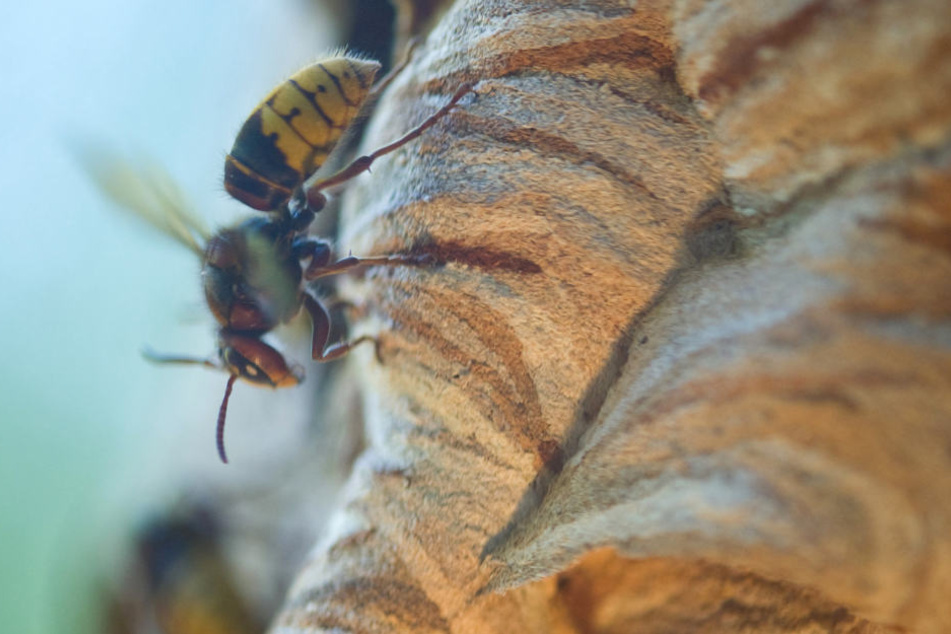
[[686, 363]]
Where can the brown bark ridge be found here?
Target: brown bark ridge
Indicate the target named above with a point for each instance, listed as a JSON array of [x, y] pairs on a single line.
[[684, 364]]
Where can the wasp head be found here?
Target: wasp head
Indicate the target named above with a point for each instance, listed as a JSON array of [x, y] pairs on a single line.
[[249, 358]]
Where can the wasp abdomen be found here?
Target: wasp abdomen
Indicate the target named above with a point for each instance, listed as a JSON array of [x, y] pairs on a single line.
[[291, 133]]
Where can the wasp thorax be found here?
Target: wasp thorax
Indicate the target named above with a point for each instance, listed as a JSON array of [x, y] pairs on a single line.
[[234, 281], [227, 292]]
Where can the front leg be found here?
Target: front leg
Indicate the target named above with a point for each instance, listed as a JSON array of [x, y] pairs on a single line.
[[320, 254], [321, 323], [314, 272]]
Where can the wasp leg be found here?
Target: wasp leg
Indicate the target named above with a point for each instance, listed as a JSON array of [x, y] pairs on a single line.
[[321, 322], [301, 217], [315, 199], [335, 303], [351, 262], [387, 79], [318, 251]]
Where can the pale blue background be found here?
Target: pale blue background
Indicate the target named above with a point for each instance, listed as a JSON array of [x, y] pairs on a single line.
[[87, 429]]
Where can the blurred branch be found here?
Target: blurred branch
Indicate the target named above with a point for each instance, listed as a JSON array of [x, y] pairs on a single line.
[[416, 17]]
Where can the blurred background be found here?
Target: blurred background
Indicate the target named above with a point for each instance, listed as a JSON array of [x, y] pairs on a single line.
[[97, 447]]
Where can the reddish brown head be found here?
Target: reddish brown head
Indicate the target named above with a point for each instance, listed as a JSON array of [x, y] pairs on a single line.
[[256, 362], [250, 359]]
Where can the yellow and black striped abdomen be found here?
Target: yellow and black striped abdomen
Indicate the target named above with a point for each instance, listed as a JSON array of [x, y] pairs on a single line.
[[290, 134]]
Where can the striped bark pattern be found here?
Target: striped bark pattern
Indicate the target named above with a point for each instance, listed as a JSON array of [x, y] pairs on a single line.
[[685, 361]]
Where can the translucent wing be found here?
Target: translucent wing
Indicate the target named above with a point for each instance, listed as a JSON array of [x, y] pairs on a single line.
[[148, 192]]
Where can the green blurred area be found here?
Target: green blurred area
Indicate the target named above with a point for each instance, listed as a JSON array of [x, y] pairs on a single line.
[[90, 433]]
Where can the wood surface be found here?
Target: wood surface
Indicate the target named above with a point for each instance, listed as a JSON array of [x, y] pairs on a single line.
[[684, 364]]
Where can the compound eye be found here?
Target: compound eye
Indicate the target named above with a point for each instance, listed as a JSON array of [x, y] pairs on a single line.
[[244, 368], [256, 362]]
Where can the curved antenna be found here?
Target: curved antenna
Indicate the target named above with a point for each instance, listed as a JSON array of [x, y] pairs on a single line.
[[222, 412]]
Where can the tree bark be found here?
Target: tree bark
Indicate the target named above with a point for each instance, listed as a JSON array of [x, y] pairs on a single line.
[[684, 364]]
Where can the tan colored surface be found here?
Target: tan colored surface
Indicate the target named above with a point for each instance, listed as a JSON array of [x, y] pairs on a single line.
[[687, 367]]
